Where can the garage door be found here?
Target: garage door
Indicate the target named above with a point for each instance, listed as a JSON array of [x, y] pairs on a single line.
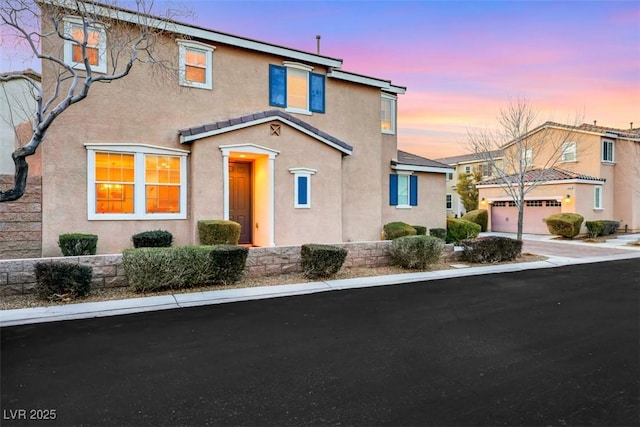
[[504, 216]]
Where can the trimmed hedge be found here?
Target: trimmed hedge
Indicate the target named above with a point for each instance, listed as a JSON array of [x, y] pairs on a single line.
[[77, 244], [416, 251], [218, 232], [152, 239], [478, 216], [566, 225], [601, 227], [321, 261], [421, 230], [393, 230], [460, 229], [62, 280], [491, 249], [150, 269], [440, 233]]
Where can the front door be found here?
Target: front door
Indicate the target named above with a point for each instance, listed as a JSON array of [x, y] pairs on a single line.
[[240, 198]]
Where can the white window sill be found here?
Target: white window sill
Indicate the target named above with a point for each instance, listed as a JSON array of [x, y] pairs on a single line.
[[404, 207], [196, 85], [607, 162], [569, 161], [598, 209], [298, 111]]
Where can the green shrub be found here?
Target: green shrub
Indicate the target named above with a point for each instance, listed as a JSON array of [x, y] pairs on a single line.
[[491, 249], [610, 227], [478, 216], [594, 228], [416, 251], [76, 244], [218, 232], [566, 225], [150, 269], [152, 239], [440, 233], [393, 230], [61, 280], [460, 229], [321, 261], [421, 230]]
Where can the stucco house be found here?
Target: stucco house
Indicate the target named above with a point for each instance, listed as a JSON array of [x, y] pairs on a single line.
[[285, 142], [465, 164], [595, 172]]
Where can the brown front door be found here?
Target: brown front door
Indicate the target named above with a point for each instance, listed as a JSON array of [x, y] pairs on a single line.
[[240, 198]]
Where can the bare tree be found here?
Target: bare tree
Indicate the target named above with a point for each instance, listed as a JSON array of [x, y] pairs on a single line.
[[102, 43], [530, 152]]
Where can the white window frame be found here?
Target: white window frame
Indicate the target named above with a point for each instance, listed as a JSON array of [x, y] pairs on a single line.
[[467, 169], [297, 173], [526, 159], [613, 150], [391, 101], [449, 201], [404, 175], [569, 149], [71, 22], [183, 46], [295, 67], [597, 198], [139, 151]]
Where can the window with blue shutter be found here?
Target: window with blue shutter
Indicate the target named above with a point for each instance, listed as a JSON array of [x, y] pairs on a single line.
[[303, 183], [413, 190], [399, 194], [302, 187], [277, 85], [316, 92], [393, 190]]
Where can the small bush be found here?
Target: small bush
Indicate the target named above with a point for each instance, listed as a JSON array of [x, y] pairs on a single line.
[[440, 233], [610, 227], [421, 230], [416, 251], [150, 269], [491, 249], [77, 244], [61, 280], [152, 239], [594, 228], [321, 261], [566, 225], [478, 216], [218, 232], [460, 229], [393, 230]]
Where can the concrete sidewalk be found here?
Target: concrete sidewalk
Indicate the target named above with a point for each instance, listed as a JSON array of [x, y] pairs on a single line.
[[555, 250]]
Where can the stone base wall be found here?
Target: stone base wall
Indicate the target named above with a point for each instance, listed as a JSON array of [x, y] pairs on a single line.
[[17, 275], [21, 221]]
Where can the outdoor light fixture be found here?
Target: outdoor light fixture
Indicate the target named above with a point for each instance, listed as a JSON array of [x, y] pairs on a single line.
[[484, 202], [568, 198]]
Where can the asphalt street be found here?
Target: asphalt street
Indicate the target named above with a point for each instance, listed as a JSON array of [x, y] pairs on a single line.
[[551, 347]]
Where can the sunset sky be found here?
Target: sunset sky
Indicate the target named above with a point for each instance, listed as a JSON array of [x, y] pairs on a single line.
[[460, 61]]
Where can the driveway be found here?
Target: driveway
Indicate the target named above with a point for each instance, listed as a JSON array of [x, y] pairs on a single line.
[[543, 347]]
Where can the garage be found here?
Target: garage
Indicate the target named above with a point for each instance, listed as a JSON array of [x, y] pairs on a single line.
[[504, 216]]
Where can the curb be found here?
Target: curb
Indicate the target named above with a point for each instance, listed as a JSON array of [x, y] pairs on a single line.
[[25, 316]]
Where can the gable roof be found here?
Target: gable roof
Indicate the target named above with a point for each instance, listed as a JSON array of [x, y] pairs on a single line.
[[469, 158], [541, 175], [187, 136], [411, 162]]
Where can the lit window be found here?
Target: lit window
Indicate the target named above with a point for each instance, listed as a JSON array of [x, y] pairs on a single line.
[[302, 187], [91, 43], [388, 114], [403, 190], [608, 153], [569, 152], [295, 88], [597, 197], [195, 63], [136, 182]]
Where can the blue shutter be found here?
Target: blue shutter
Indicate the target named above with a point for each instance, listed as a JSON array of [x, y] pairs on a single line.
[[277, 86], [302, 191], [393, 189], [413, 190], [316, 92]]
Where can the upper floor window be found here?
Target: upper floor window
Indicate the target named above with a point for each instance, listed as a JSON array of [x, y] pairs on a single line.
[[485, 168], [88, 41], [526, 157], [449, 201], [195, 64], [608, 150], [295, 88], [569, 152], [467, 169], [388, 114], [135, 182], [403, 190]]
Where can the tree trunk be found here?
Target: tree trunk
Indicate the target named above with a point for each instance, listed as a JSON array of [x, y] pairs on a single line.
[[22, 172]]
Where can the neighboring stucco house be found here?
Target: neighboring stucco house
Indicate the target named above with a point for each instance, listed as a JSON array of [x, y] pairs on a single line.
[[594, 172], [465, 164], [285, 142]]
